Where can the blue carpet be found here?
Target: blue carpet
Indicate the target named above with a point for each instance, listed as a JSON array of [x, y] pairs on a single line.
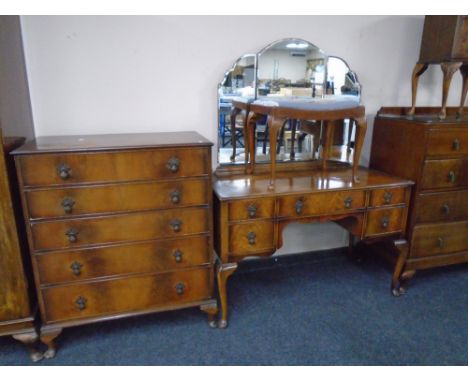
[[310, 310]]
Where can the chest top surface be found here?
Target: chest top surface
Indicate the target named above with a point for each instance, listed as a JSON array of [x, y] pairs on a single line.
[[74, 143]]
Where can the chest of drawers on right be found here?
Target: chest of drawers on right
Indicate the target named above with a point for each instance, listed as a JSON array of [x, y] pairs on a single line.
[[435, 155]]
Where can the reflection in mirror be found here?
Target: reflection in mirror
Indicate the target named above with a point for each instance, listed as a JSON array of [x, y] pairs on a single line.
[[289, 69], [239, 81]]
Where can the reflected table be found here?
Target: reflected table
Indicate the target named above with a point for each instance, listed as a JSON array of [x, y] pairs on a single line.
[[330, 110]]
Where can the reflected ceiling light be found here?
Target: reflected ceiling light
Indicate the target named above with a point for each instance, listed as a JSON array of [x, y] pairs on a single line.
[[297, 45]]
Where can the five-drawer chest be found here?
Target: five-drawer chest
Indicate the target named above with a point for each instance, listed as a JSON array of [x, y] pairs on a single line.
[[434, 154], [117, 225]]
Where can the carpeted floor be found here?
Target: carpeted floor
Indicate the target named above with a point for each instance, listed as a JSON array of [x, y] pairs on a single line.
[[308, 310]]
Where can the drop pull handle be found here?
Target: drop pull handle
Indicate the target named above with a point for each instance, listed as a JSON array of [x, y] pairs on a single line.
[[456, 144], [452, 177], [67, 204], [385, 222], [176, 196], [446, 209], [64, 171], [180, 288], [176, 225], [76, 268], [72, 234], [252, 210], [387, 197], [252, 238], [348, 202], [81, 303], [173, 164], [177, 255], [299, 206], [440, 242]]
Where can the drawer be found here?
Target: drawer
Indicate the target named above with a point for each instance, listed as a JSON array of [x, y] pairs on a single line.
[[447, 173], [152, 257], [448, 142], [251, 237], [387, 197], [321, 204], [443, 206], [72, 168], [251, 209], [125, 295], [384, 221], [82, 200], [438, 239], [61, 234]]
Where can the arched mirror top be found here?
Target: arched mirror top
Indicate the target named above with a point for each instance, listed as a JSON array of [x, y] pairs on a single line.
[[288, 69]]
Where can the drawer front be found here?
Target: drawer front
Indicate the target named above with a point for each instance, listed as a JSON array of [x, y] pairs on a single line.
[[76, 201], [387, 197], [119, 228], [443, 206], [447, 173], [438, 239], [63, 169], [320, 204], [251, 237], [156, 256], [125, 295], [251, 209], [448, 142], [384, 221]]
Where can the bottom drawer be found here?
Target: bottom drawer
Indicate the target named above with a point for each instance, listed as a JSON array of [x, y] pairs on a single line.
[[126, 295], [438, 239], [384, 221]]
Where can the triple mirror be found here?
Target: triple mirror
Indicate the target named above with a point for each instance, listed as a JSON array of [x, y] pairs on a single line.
[[288, 68]]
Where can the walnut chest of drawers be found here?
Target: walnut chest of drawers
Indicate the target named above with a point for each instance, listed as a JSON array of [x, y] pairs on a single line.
[[434, 154], [118, 225]]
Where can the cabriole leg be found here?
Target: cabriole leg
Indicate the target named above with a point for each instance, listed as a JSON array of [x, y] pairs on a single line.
[[212, 311], [224, 271], [47, 337], [30, 340], [448, 68], [418, 70], [400, 248]]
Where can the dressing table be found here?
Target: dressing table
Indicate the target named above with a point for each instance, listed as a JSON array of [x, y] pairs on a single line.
[[256, 196]]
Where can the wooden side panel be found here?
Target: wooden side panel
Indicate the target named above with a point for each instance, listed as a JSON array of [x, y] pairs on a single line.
[[14, 300]]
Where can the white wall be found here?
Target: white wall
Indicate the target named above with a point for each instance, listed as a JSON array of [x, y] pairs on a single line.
[[15, 108], [91, 75]]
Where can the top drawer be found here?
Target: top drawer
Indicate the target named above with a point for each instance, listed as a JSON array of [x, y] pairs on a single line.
[[62, 169], [448, 142]]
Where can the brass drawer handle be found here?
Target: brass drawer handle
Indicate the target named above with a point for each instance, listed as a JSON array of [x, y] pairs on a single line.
[[81, 303], [456, 144], [72, 234], [76, 268], [252, 238], [440, 242], [252, 210], [67, 204], [299, 205], [64, 171], [446, 209], [175, 196], [178, 255], [452, 177], [384, 222], [387, 197], [173, 164], [176, 225], [348, 202], [180, 288]]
